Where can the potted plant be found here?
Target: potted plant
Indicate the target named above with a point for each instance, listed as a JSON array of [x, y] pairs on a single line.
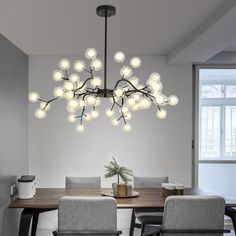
[[120, 189]]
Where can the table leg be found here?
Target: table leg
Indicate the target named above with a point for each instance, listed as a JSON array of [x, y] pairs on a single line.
[[132, 224], [231, 212], [25, 221], [34, 223]]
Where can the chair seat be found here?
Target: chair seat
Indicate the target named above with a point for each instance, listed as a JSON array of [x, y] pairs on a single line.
[[154, 214], [150, 218], [149, 230]]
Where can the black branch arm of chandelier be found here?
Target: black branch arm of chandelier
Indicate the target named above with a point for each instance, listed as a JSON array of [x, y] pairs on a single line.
[[145, 91]]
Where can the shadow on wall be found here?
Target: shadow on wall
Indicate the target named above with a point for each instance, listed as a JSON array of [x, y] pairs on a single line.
[[9, 218]]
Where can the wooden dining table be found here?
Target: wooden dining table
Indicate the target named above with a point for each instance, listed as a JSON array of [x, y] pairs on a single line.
[[47, 199]]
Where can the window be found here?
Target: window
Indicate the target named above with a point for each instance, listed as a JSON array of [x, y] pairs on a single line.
[[217, 114], [210, 132]]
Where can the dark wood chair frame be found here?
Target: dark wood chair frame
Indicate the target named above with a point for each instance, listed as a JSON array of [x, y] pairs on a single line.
[[133, 223], [115, 233]]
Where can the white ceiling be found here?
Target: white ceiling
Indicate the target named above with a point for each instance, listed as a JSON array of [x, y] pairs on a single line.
[[141, 27]]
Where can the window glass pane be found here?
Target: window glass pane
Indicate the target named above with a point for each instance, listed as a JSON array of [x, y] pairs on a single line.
[[212, 91], [217, 74], [210, 132], [231, 91], [230, 131]]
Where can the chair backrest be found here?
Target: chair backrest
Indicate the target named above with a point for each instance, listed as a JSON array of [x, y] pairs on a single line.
[[149, 182], [83, 182], [193, 213], [87, 214]]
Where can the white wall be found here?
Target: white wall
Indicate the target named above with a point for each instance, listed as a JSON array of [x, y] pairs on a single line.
[[219, 177], [13, 129], [153, 147]]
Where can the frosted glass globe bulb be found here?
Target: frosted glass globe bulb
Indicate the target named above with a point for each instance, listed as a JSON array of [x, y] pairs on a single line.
[[64, 64], [145, 103], [135, 62], [156, 86], [94, 114], [81, 103], [71, 118], [161, 114], [134, 80], [33, 96], [130, 101], [156, 76], [40, 114], [45, 106], [90, 53], [58, 92], [57, 75], [119, 92], [153, 77], [160, 99], [119, 57], [173, 100], [73, 103], [68, 85], [87, 117], [96, 64], [96, 81], [125, 109], [109, 112], [136, 96], [127, 127], [79, 66], [80, 128], [68, 95], [91, 100], [115, 122], [74, 78], [128, 116], [126, 71]]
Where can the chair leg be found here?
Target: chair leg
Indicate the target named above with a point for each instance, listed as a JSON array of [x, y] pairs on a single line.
[[132, 224], [34, 223], [142, 229], [25, 220]]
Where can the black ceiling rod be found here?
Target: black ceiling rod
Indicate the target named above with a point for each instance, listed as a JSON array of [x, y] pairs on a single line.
[[105, 55], [105, 11]]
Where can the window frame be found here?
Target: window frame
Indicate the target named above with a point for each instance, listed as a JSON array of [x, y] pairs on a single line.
[[222, 103], [195, 118]]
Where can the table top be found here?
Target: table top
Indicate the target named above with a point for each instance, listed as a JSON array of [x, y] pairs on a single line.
[[48, 198]]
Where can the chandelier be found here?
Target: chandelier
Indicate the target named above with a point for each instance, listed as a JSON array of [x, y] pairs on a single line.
[[83, 93]]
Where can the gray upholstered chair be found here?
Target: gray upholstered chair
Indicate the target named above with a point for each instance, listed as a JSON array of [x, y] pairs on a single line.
[[87, 216], [83, 182], [155, 215], [192, 215]]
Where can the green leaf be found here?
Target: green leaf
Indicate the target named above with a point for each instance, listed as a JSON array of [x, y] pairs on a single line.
[[113, 169]]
